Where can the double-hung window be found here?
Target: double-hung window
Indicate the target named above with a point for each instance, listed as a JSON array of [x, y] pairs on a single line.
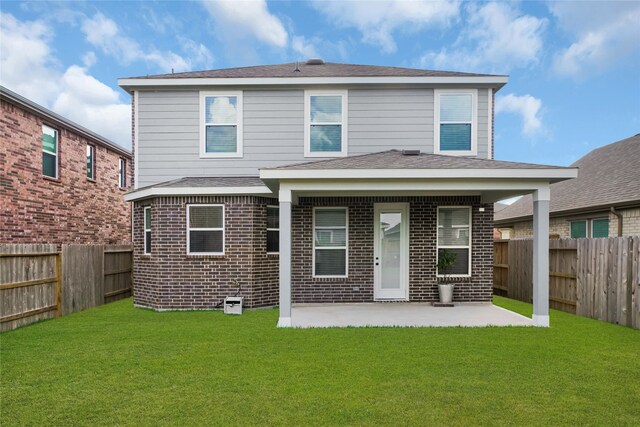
[[325, 123], [49, 152], [122, 173], [91, 162], [205, 229], [147, 230], [454, 236], [273, 229], [221, 124], [330, 242], [455, 117]]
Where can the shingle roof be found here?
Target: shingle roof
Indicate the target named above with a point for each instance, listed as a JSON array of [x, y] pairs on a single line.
[[607, 176], [218, 181], [328, 69], [395, 159]]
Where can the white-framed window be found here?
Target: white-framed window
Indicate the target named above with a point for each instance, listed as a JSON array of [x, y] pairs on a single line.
[[122, 173], [205, 229], [147, 230], [221, 124], [454, 236], [455, 121], [330, 242], [325, 123], [273, 229], [50, 149], [91, 162]]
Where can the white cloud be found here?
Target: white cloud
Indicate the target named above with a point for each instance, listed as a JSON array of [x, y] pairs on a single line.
[[30, 69], [304, 47], [378, 20], [604, 34], [317, 47], [526, 106], [496, 38], [104, 34], [89, 59], [239, 19]]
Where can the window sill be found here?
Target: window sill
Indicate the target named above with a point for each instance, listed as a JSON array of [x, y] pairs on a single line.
[[48, 178], [221, 156], [326, 154], [93, 180], [273, 254]]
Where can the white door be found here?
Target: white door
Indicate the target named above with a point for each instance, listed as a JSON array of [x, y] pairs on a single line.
[[391, 251]]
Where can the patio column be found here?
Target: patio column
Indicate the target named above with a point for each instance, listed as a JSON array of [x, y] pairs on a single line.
[[541, 199], [285, 259]]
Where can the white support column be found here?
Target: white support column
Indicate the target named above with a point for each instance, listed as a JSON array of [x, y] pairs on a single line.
[[285, 259], [541, 198]]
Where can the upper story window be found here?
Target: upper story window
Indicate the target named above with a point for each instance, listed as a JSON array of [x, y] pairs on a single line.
[[122, 173], [455, 117], [91, 162], [325, 123], [49, 152], [221, 124]]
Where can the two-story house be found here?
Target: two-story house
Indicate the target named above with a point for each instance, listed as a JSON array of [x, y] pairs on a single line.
[[60, 182], [320, 183]]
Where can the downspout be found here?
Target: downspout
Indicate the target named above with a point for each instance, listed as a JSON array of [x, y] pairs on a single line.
[[619, 216]]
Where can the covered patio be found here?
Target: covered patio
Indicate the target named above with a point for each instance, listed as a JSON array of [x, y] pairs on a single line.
[[403, 315], [401, 174]]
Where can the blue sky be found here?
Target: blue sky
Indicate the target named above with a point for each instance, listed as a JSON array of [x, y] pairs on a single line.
[[574, 66]]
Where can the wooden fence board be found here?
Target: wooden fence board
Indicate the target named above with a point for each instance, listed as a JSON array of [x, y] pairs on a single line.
[[28, 293], [597, 278]]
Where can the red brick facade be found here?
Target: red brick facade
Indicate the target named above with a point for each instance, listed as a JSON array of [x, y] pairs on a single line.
[[168, 278], [358, 286], [70, 209]]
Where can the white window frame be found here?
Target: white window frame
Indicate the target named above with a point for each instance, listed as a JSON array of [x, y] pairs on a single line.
[[307, 123], [273, 229], [239, 125], [93, 162], [587, 228], [122, 172], [469, 246], [144, 227], [345, 247], [50, 153], [437, 93], [591, 226], [224, 234]]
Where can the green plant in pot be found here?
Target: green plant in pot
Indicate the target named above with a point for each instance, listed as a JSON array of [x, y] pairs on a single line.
[[446, 261]]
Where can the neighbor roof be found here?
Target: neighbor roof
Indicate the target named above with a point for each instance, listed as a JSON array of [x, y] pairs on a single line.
[[608, 176], [396, 159], [56, 119], [327, 69]]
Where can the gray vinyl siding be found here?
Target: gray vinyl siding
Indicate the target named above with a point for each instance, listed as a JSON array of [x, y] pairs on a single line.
[[378, 119]]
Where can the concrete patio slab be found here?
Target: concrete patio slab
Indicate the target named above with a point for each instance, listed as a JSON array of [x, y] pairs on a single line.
[[403, 314]]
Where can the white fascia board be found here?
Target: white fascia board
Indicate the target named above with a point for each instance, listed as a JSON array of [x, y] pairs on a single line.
[[549, 174], [195, 191], [477, 186], [270, 81]]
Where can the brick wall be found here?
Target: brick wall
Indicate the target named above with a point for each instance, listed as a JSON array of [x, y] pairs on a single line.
[[168, 278], [358, 286], [71, 209]]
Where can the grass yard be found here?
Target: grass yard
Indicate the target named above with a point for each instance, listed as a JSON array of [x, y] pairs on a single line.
[[118, 365]]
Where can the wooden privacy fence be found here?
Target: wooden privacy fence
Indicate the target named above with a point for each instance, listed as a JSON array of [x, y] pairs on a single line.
[[597, 278], [37, 282]]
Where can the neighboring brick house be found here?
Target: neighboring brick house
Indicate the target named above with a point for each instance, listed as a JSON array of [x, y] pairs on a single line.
[[319, 183], [60, 182], [604, 201]]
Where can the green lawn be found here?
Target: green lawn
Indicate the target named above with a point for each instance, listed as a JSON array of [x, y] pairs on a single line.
[[119, 365]]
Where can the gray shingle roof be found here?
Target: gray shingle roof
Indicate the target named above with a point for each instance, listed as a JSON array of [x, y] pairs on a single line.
[[199, 182], [328, 69], [607, 176], [395, 159]]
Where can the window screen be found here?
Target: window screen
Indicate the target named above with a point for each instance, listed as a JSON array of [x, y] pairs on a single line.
[[600, 227], [455, 121], [206, 229], [578, 229], [330, 242]]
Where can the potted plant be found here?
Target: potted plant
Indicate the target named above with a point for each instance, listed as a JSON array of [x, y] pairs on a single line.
[[446, 261]]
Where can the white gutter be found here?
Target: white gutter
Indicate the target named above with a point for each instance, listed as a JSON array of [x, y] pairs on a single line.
[[195, 191]]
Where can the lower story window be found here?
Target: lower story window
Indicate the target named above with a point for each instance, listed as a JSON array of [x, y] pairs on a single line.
[[273, 229], [578, 229], [330, 242], [454, 237], [205, 229], [600, 227], [147, 230]]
